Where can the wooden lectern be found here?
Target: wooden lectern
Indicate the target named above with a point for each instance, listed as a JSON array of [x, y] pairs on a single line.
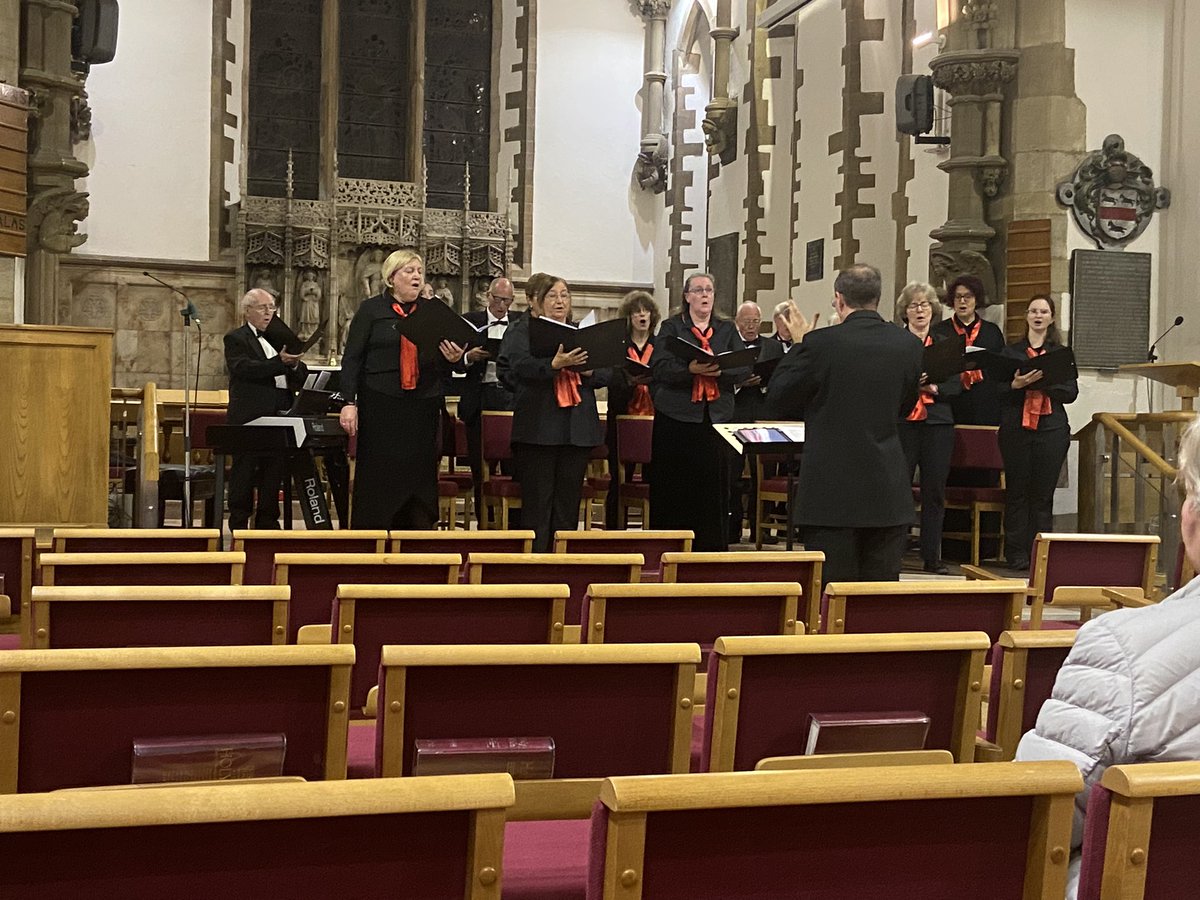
[[54, 406], [1183, 376]]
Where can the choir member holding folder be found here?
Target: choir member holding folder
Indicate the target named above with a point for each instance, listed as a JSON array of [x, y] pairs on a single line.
[[629, 390], [927, 432], [978, 402], [555, 423], [395, 395], [689, 488], [1034, 432]]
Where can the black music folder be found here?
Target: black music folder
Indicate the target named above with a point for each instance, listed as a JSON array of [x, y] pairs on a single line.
[[432, 322], [944, 359], [730, 359], [765, 368], [1058, 367], [280, 336], [604, 342]]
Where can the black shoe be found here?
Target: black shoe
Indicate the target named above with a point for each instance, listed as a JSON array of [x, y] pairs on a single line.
[[937, 567], [770, 538]]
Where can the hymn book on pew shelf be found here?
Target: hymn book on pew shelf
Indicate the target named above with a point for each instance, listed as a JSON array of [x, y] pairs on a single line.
[[523, 758], [219, 757], [866, 732]]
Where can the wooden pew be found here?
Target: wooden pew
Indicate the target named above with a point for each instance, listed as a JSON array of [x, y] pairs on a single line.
[[148, 616], [610, 710], [16, 565], [463, 543], [1024, 667], [1140, 837], [575, 569], [933, 832], [156, 568], [651, 544], [432, 837], [762, 690], [260, 547], [71, 716], [136, 540]]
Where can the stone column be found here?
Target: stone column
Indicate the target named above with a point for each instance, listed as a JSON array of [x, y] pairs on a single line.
[[54, 204], [651, 169], [720, 115]]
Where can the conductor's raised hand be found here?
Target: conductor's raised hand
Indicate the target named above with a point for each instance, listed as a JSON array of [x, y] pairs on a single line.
[[796, 323], [704, 368], [451, 351], [566, 358]]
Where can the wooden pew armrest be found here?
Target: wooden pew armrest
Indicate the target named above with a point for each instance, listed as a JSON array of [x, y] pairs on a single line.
[[1129, 598], [986, 751], [314, 634], [5, 606], [978, 573]]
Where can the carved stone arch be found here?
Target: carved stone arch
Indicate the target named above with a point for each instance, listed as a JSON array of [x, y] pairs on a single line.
[[687, 197]]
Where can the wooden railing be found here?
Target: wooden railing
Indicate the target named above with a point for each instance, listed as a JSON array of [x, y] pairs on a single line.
[[1127, 471]]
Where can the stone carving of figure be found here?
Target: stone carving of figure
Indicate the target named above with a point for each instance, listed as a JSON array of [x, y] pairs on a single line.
[[481, 293], [310, 294], [368, 281], [265, 279], [441, 290]]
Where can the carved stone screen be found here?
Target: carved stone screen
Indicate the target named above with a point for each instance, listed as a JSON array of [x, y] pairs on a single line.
[[458, 90], [1110, 307], [285, 97], [374, 100]]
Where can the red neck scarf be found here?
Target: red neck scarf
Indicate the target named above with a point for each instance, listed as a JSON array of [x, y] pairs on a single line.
[[919, 412], [640, 403], [566, 388], [704, 387], [1037, 403], [974, 376], [410, 371]]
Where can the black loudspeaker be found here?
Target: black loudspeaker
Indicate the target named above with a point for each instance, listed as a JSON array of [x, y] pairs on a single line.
[[914, 104], [94, 35]]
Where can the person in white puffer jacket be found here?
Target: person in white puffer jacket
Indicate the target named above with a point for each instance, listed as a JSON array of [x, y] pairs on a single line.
[[1129, 691]]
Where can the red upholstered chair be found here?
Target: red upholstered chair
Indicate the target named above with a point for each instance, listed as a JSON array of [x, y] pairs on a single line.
[[260, 547], [1024, 666], [756, 678], [611, 710], [371, 615], [634, 440], [575, 569], [651, 544], [81, 710], [501, 493], [157, 568], [136, 540], [1087, 571], [314, 578], [440, 837], [879, 607], [171, 477], [599, 480], [454, 449], [976, 448], [933, 832], [803, 566], [1140, 837], [16, 566], [771, 489], [145, 616]]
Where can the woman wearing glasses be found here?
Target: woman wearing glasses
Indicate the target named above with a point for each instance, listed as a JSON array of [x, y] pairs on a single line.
[[555, 424], [978, 403], [689, 487], [395, 400], [927, 432]]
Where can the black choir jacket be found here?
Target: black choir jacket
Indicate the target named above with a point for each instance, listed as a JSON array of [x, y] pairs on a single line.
[[372, 355], [851, 384], [537, 417], [748, 402], [1012, 403], [981, 404], [470, 399], [941, 411], [252, 390], [671, 388]]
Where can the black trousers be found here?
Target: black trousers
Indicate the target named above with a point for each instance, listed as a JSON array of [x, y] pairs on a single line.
[[858, 554], [246, 473], [551, 478], [689, 487], [1032, 462], [929, 448]]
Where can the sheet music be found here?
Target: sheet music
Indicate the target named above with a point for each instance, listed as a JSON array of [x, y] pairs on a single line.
[[296, 424]]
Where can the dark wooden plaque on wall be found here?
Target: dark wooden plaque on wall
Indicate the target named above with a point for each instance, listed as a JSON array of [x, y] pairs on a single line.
[[814, 260], [14, 143], [1110, 307]]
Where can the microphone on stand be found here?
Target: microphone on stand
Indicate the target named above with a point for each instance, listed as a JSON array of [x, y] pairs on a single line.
[[190, 313], [1152, 356]]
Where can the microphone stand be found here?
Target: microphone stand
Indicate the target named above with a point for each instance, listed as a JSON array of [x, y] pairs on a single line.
[[189, 315]]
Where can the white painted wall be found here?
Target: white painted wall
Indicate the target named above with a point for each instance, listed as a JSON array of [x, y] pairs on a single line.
[[591, 221], [150, 135]]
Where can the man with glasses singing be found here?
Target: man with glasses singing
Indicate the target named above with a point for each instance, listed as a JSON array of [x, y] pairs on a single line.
[[261, 380]]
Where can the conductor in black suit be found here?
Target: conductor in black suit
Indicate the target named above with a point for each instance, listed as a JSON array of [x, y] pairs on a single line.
[[261, 380], [851, 384], [482, 388]]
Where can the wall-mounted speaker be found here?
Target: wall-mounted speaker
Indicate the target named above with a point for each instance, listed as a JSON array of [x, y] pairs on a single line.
[[94, 35], [914, 104]]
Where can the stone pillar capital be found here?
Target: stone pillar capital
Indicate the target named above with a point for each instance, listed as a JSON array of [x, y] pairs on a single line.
[[654, 9], [974, 72]]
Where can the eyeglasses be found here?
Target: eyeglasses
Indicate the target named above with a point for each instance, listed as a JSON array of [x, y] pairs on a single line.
[[920, 304], [966, 296], [262, 308], [702, 290], [501, 299]]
